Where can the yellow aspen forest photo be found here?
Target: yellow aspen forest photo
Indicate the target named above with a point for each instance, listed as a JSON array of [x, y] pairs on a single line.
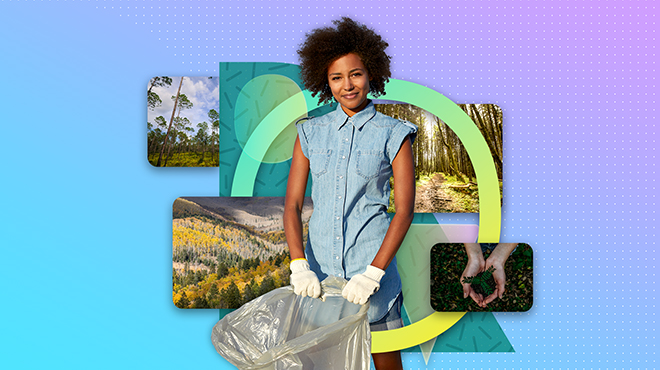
[[227, 251]]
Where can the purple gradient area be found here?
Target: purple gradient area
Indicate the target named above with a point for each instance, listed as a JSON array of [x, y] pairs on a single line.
[[577, 82]]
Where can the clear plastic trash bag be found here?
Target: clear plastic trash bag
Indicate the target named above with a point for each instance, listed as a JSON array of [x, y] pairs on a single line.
[[281, 330]]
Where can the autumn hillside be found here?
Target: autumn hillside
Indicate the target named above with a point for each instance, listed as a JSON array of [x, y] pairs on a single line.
[[227, 252]]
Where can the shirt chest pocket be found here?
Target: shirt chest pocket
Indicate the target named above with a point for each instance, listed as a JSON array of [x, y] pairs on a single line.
[[318, 161], [368, 163]]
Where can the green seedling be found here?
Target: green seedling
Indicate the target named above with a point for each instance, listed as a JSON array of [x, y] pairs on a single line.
[[482, 282]]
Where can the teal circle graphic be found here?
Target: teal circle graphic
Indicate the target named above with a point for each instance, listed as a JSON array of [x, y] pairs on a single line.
[[255, 102]]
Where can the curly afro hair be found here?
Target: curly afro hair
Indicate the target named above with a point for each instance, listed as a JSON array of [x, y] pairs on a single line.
[[325, 45]]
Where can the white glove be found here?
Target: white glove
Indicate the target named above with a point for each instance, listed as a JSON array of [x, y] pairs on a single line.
[[304, 281], [362, 286]]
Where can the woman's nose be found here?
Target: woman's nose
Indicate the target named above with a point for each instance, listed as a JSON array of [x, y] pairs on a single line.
[[348, 84]]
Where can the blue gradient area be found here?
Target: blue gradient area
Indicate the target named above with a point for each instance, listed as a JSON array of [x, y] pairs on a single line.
[[86, 227]]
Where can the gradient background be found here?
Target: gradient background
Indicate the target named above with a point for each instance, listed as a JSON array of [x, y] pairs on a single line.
[[86, 226]]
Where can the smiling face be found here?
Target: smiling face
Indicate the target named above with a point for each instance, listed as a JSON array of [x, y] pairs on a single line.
[[349, 83]]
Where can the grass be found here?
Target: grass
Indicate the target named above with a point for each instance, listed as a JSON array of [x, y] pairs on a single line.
[[188, 159], [467, 197]]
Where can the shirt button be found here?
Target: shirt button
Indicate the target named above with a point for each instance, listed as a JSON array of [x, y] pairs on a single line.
[[339, 197], [337, 239], [346, 139], [341, 177], [338, 217], [343, 157]]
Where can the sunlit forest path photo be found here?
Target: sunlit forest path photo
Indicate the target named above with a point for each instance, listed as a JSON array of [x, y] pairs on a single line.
[[445, 177]]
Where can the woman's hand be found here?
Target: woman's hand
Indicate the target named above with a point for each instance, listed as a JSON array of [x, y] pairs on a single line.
[[497, 259], [362, 286], [475, 265], [304, 281], [500, 280]]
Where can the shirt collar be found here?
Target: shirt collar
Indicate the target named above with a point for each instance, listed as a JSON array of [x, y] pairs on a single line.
[[359, 119]]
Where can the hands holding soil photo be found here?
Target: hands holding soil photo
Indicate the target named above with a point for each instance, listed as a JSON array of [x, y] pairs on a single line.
[[491, 277], [488, 283]]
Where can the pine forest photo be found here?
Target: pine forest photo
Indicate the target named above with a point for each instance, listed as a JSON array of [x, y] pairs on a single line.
[[183, 122]]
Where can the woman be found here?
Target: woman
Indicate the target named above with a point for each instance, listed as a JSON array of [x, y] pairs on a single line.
[[351, 153]]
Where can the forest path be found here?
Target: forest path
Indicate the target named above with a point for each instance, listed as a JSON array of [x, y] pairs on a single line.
[[431, 197]]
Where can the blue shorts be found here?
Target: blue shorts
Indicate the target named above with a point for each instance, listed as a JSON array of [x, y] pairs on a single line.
[[487, 246], [490, 246], [392, 319]]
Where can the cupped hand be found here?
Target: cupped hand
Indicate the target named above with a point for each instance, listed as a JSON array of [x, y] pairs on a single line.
[[500, 281], [473, 267]]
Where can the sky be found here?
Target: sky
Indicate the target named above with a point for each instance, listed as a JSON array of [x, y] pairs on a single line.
[[203, 92], [86, 224]]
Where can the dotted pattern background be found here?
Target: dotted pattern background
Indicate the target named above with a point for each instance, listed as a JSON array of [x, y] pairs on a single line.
[[577, 82]]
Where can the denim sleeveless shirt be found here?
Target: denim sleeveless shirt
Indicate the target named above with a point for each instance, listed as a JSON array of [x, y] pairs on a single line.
[[350, 159]]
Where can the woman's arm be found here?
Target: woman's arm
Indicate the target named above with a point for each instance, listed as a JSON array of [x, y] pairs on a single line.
[[293, 203], [304, 281], [403, 169], [497, 259], [362, 286]]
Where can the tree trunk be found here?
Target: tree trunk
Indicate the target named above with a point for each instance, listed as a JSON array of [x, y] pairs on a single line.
[[176, 102]]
